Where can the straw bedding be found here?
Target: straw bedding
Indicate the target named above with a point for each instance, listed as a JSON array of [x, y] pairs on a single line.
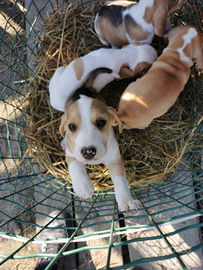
[[149, 155]]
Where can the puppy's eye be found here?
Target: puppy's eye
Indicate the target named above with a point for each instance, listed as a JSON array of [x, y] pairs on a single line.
[[101, 123], [72, 127]]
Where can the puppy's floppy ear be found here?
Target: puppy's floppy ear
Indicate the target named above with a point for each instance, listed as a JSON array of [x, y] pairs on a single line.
[[61, 127], [116, 119], [159, 18]]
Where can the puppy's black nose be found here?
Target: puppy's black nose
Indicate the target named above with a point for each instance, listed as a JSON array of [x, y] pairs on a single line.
[[88, 152]]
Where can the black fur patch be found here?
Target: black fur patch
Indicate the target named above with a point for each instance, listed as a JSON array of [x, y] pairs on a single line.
[[84, 91], [129, 22], [89, 92], [113, 13]]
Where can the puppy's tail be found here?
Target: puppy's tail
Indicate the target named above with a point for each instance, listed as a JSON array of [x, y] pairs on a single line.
[[91, 77], [86, 86]]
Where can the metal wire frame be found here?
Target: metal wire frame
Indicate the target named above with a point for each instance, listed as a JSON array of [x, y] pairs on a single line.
[[152, 194]]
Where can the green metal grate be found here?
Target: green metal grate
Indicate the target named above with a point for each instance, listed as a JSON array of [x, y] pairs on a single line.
[[167, 235]]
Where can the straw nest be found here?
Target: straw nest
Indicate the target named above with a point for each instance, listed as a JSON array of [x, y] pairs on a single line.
[[149, 155]]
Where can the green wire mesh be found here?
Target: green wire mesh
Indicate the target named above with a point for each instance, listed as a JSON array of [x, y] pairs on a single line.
[[28, 195]]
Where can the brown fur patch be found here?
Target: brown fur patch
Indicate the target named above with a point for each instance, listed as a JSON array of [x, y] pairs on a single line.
[[172, 37], [142, 66], [175, 4], [194, 50], [115, 119], [99, 107], [114, 35], [78, 67], [125, 72], [188, 51], [148, 15], [72, 117], [161, 12], [198, 53], [134, 30], [99, 111], [172, 5], [159, 88]]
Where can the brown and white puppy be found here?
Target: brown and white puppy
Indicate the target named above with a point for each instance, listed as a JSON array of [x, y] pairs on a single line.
[[89, 139], [128, 61], [121, 22], [152, 95]]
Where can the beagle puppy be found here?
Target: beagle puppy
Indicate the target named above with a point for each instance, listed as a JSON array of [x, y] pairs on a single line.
[[121, 22], [86, 127], [152, 95], [129, 61]]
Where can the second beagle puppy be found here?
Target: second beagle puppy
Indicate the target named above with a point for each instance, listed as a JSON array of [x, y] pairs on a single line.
[[121, 22], [128, 61], [152, 95], [86, 127]]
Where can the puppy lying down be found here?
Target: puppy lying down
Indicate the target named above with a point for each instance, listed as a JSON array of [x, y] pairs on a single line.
[[86, 127], [121, 22], [152, 95], [128, 61]]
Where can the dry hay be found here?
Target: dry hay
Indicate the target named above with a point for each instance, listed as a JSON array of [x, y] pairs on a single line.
[[149, 155]]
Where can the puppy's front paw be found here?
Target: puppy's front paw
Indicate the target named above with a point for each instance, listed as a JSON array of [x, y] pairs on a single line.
[[84, 188], [126, 205]]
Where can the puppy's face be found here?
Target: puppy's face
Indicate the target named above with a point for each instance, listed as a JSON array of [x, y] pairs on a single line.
[[88, 122]]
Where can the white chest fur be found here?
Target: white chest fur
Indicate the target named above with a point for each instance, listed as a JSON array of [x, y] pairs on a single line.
[[187, 39]]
